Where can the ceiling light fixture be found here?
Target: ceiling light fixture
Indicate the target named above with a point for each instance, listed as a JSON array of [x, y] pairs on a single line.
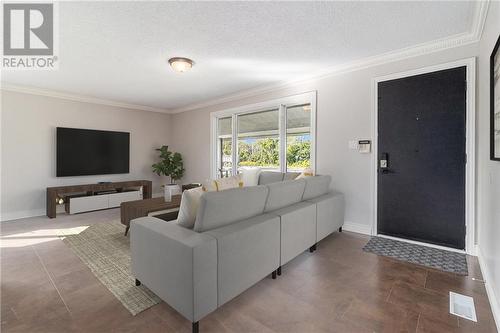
[[180, 64]]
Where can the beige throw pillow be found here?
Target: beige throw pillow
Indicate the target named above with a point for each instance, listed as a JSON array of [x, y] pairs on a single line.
[[209, 185], [189, 207], [222, 184], [228, 182], [305, 173]]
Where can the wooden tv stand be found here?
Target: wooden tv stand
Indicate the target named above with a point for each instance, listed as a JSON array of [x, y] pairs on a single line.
[[53, 193]]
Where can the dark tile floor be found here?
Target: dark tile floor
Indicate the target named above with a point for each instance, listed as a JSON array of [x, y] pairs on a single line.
[[338, 288]]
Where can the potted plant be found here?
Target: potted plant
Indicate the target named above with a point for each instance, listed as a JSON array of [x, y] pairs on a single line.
[[170, 165]]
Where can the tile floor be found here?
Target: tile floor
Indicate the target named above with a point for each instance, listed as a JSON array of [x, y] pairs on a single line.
[[338, 288]]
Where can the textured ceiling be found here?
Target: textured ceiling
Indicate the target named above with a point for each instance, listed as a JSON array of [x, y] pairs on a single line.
[[119, 50]]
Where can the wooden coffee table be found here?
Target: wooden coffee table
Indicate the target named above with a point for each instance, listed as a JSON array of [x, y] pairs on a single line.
[[134, 209]]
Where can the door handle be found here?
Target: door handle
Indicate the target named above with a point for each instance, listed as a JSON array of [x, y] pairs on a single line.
[[383, 163]]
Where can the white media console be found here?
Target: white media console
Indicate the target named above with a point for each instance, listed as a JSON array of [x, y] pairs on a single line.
[[101, 201], [87, 197]]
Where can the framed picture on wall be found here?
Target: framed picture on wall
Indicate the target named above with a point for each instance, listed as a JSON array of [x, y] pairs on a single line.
[[495, 102]]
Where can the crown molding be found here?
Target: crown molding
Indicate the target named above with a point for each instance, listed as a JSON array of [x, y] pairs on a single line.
[[479, 19], [78, 98], [477, 26], [438, 45], [393, 56]]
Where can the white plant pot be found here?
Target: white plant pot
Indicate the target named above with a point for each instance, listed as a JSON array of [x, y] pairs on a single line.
[[170, 190]]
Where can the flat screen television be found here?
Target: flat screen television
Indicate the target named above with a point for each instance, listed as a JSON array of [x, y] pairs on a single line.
[[82, 152]]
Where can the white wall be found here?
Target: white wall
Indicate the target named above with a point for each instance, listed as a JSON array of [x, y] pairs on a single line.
[[488, 191], [344, 112], [28, 146]]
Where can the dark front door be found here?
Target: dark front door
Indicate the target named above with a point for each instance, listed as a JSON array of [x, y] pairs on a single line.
[[421, 136]]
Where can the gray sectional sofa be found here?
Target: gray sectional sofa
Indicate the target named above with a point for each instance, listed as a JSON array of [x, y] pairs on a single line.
[[240, 236]]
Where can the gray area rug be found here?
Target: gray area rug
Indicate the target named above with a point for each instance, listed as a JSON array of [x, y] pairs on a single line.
[[106, 251], [421, 255]]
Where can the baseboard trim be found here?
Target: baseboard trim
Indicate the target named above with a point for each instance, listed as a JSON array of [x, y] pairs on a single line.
[[357, 227], [490, 288], [21, 214]]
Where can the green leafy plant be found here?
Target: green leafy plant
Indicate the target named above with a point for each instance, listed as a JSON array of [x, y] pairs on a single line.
[[170, 164], [264, 152]]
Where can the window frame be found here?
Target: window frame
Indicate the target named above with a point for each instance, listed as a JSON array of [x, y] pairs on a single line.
[[281, 104]]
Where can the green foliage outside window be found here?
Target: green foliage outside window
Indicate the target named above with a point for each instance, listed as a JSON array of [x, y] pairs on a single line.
[[226, 147], [298, 153], [264, 152]]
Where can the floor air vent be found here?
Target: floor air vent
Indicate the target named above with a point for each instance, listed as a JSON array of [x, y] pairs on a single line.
[[462, 306]]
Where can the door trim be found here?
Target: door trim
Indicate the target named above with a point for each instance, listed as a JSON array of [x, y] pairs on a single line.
[[470, 130]]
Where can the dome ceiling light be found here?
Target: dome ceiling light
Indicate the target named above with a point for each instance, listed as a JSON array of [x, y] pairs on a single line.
[[180, 64]]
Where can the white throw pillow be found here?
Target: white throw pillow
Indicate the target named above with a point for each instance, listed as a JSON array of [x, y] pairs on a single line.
[[189, 207], [250, 176]]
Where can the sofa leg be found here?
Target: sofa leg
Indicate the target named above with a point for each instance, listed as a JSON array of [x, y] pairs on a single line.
[[279, 271], [273, 275], [196, 327], [312, 248], [126, 230], [340, 229], [137, 282]]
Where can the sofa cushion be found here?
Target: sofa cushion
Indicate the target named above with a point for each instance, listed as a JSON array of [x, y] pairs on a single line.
[[284, 194], [291, 175], [218, 209], [298, 229], [269, 177], [316, 186]]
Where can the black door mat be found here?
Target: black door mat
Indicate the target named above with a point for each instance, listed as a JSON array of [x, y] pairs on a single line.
[[443, 260]]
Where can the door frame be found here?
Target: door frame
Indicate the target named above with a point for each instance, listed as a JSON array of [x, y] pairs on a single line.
[[470, 148]]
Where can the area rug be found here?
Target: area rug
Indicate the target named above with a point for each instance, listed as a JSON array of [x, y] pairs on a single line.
[[447, 261], [106, 251]]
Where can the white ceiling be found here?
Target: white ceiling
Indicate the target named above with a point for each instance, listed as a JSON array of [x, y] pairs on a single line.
[[119, 50]]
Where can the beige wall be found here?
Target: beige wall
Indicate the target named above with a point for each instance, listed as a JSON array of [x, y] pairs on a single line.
[[344, 112], [488, 172], [28, 146]]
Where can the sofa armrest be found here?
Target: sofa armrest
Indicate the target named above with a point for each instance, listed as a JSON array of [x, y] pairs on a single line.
[[177, 264], [248, 251], [330, 210]]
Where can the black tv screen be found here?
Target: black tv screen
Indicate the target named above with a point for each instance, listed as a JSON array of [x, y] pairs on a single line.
[[83, 152]]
